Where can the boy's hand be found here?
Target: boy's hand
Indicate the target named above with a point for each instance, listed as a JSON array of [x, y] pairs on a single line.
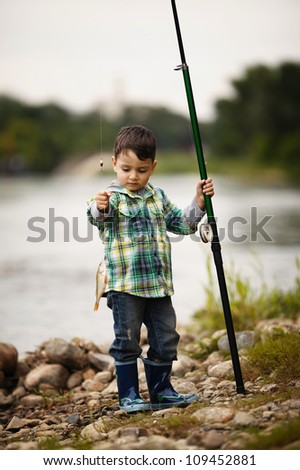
[[204, 187], [102, 200]]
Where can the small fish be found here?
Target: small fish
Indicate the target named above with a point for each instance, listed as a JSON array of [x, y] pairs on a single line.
[[101, 281]]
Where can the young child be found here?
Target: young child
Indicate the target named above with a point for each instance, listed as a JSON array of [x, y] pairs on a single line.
[[133, 218]]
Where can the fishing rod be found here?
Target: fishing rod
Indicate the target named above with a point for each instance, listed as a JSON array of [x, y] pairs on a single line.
[[209, 231]]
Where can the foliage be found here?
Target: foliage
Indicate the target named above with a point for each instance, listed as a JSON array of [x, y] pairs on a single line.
[[38, 138], [262, 120], [175, 162], [259, 127], [248, 305], [280, 436], [50, 443], [275, 358], [171, 130]]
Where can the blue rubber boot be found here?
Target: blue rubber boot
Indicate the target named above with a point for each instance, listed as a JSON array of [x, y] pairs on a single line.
[[162, 394], [128, 387]]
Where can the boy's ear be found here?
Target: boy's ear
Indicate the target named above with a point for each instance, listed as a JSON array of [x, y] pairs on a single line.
[[153, 166], [114, 161]]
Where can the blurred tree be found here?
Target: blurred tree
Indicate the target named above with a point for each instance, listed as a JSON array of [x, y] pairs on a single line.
[[261, 123], [38, 138], [262, 120], [171, 129]]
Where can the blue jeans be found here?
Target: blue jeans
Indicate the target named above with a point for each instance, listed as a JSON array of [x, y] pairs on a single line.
[[158, 315]]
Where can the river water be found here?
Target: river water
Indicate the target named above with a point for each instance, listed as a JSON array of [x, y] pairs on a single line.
[[49, 254]]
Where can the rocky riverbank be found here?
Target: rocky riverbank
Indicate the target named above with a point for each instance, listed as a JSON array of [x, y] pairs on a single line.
[[64, 396]]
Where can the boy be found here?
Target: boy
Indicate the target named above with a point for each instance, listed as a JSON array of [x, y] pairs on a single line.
[[133, 218]]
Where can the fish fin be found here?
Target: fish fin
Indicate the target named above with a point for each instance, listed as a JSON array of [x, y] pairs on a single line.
[[96, 306]]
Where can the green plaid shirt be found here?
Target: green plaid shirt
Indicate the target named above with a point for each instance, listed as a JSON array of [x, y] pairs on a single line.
[[136, 244]]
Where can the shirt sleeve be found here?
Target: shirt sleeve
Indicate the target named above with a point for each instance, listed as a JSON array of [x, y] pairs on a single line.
[[96, 214], [179, 221], [97, 217], [193, 214]]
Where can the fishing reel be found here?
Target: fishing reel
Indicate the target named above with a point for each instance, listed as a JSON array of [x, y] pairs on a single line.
[[206, 232]]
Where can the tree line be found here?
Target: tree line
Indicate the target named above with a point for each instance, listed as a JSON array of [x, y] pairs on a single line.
[[259, 122]]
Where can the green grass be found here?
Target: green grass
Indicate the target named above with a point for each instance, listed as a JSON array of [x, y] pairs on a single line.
[[281, 435], [177, 427], [176, 162], [244, 168], [275, 358], [50, 443], [248, 304]]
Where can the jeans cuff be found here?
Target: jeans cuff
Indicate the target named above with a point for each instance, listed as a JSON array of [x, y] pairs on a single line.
[[125, 363]]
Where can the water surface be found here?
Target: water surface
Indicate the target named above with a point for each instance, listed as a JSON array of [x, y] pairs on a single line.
[[47, 287]]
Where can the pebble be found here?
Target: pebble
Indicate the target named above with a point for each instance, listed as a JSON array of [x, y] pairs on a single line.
[[50, 394]]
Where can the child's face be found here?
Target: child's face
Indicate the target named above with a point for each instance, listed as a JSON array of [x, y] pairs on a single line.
[[133, 173]]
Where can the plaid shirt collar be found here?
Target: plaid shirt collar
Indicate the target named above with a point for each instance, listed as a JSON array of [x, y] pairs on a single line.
[[143, 193]]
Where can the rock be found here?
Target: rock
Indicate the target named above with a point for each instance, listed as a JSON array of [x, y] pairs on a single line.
[[244, 340], [134, 432], [74, 380], [22, 369], [93, 386], [166, 412], [182, 366], [214, 414], [159, 443], [275, 325], [293, 445], [23, 446], [120, 413], [6, 401], [214, 358], [229, 384], [31, 401], [8, 359], [292, 403], [59, 351], [95, 431], [85, 344], [195, 439], [218, 334], [269, 388], [184, 387], [101, 361], [88, 374], [15, 424], [112, 388], [222, 370], [213, 439], [19, 392], [53, 375], [244, 419], [2, 378], [104, 377], [73, 418], [88, 409]]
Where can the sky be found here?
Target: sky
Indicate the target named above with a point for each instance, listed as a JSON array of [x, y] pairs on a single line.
[[86, 54]]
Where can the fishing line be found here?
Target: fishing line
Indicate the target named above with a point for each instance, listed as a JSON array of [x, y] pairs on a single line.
[[101, 139]]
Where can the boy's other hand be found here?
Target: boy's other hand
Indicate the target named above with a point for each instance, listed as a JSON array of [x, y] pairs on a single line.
[[204, 187], [102, 200]]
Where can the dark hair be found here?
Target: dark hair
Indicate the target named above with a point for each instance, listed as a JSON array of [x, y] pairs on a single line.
[[139, 139]]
